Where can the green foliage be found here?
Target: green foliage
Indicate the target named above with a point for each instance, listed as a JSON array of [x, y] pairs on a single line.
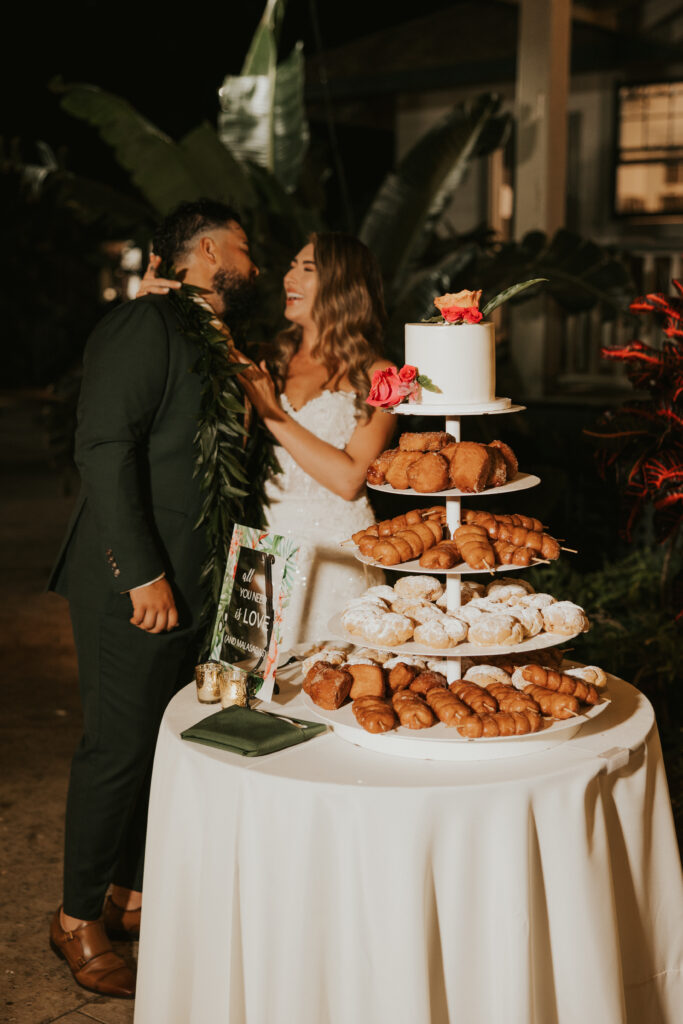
[[632, 635], [401, 220], [262, 116], [509, 293]]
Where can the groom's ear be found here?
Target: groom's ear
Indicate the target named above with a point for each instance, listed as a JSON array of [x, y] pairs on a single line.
[[207, 249]]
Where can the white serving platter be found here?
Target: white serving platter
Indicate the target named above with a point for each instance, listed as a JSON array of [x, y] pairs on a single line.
[[534, 643], [444, 743], [458, 570], [497, 406], [520, 483]]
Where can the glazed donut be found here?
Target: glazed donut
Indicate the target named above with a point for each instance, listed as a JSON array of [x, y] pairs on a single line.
[[427, 441], [509, 456], [397, 473], [429, 473]]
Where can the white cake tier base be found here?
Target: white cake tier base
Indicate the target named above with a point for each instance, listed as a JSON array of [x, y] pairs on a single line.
[[498, 405], [444, 743], [534, 643], [521, 482], [461, 569]]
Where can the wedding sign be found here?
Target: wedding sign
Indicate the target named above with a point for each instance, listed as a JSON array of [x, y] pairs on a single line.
[[254, 597]]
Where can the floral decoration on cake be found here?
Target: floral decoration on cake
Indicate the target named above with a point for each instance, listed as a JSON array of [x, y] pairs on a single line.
[[459, 308], [392, 386]]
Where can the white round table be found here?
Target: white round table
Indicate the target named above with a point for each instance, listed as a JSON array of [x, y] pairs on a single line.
[[328, 884]]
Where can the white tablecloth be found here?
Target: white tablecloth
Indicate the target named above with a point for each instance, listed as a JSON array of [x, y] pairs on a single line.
[[327, 884]]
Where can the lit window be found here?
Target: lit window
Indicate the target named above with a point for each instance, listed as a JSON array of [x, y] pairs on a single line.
[[649, 165]]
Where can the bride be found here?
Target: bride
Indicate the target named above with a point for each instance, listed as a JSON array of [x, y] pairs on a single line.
[[310, 392]]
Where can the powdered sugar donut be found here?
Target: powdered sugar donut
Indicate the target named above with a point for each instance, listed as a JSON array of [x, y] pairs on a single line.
[[566, 618], [496, 629], [501, 590], [405, 659], [456, 628], [388, 629], [365, 601], [589, 674], [518, 679], [438, 665], [477, 607], [379, 657], [468, 591], [331, 655], [424, 611], [477, 673], [536, 600], [432, 634], [420, 588], [355, 618], [531, 618], [383, 591]]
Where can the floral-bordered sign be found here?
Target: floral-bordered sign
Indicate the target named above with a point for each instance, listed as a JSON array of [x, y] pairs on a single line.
[[256, 591]]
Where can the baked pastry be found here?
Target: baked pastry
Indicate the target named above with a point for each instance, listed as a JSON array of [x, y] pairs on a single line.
[[448, 708], [444, 555], [420, 588], [401, 675], [560, 682], [397, 473], [469, 468], [489, 630], [509, 456], [557, 705], [475, 547], [498, 472], [589, 674], [427, 441], [502, 723], [483, 674], [536, 600], [377, 470], [388, 629], [565, 617], [382, 591], [327, 686], [374, 714], [475, 696], [505, 589], [429, 473], [368, 680], [413, 712], [530, 618], [426, 681], [330, 655], [511, 699]]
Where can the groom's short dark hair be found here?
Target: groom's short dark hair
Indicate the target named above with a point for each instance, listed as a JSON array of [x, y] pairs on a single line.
[[175, 233]]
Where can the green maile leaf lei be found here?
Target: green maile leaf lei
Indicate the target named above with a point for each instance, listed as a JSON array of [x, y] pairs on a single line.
[[232, 463]]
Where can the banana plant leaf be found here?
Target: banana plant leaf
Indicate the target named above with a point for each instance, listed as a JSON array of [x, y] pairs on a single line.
[[216, 170], [510, 293], [156, 164], [403, 215], [262, 117]]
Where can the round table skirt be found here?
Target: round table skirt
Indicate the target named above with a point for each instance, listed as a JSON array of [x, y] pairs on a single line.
[[327, 884]]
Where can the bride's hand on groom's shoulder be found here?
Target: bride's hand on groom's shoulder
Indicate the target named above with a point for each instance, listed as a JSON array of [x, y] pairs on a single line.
[[153, 285]]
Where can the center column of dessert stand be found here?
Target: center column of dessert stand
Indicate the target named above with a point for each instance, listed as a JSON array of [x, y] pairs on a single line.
[[453, 590]]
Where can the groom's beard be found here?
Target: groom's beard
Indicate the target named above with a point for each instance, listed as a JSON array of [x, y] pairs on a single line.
[[238, 293]]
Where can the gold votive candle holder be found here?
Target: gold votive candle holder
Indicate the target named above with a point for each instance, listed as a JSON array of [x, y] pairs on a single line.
[[234, 690], [208, 679]]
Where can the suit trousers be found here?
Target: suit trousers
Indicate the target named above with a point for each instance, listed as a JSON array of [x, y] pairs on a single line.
[[126, 679]]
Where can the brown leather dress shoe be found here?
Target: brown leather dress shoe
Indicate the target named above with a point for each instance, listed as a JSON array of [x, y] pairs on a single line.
[[93, 962], [120, 923]]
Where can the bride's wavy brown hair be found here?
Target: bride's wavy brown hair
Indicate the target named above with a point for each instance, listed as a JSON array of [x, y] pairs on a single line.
[[348, 312]]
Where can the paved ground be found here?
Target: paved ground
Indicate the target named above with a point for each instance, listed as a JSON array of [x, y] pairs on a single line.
[[39, 727]]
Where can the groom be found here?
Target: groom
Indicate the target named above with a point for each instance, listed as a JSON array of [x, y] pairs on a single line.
[[130, 568]]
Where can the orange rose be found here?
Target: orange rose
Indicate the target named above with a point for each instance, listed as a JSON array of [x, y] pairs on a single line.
[[463, 298]]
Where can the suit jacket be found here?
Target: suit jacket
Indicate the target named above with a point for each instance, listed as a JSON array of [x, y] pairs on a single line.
[[139, 501]]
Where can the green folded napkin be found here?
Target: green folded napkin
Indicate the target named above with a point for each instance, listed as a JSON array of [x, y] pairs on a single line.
[[250, 733]]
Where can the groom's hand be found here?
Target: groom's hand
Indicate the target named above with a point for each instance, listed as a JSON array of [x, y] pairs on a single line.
[[154, 608]]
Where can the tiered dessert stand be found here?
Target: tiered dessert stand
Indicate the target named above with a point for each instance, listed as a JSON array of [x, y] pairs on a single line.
[[441, 742]]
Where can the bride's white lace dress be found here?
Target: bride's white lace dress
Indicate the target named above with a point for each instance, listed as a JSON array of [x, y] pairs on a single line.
[[327, 574]]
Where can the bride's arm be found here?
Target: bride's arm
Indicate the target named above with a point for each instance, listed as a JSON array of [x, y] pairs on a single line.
[[342, 471]]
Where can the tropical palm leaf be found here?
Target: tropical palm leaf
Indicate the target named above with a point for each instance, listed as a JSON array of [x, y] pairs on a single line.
[[216, 170], [156, 164], [262, 117], [509, 293], [403, 215]]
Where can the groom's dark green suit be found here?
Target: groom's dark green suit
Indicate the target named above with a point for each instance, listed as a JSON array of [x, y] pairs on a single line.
[[134, 520]]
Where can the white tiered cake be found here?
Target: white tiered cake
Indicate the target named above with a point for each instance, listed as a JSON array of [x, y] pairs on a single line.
[[459, 359]]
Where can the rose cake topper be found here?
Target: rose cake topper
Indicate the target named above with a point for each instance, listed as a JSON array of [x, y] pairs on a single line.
[[392, 386]]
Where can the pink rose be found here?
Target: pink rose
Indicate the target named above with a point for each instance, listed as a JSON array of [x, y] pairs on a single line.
[[461, 315], [408, 373], [385, 389]]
